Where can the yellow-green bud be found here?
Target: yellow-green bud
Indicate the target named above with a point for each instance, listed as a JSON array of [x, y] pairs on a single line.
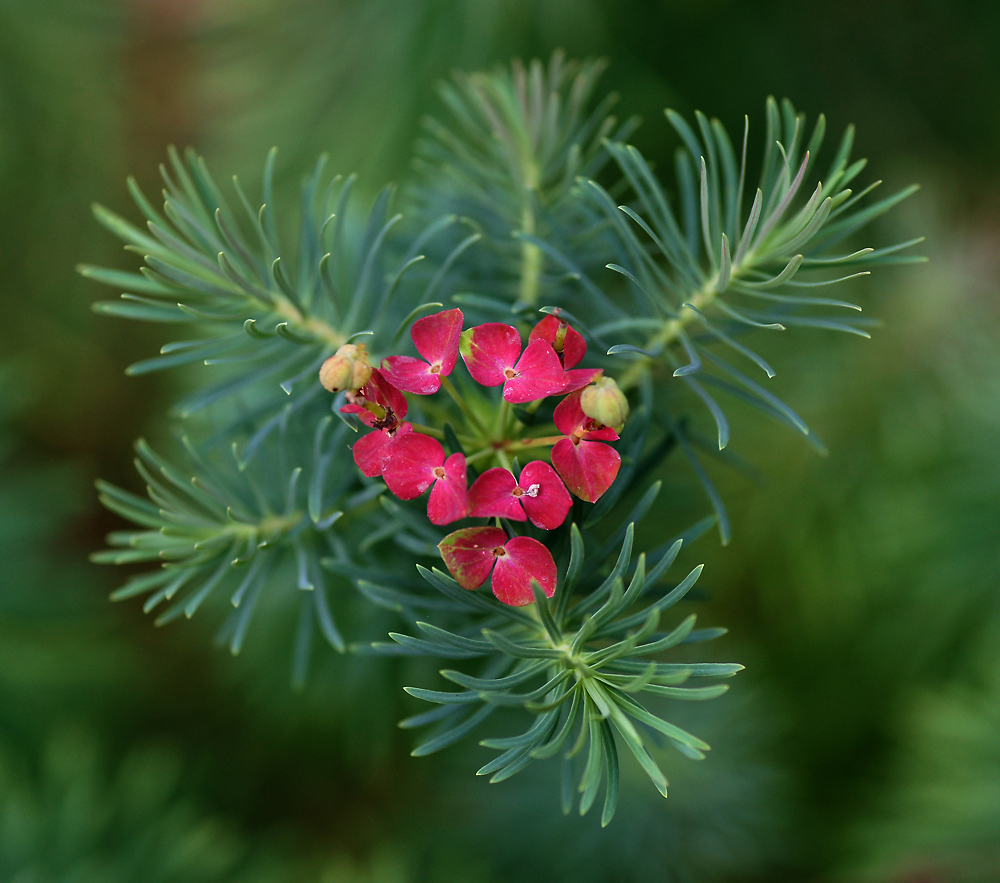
[[604, 402], [347, 368]]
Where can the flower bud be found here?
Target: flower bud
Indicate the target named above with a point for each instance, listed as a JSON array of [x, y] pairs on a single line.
[[347, 368], [604, 402]]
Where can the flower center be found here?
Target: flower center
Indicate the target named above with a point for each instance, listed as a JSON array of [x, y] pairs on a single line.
[[436, 368], [499, 552], [509, 373], [517, 492], [439, 472], [387, 422]]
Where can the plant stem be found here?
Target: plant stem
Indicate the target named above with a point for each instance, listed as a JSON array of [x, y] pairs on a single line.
[[503, 415], [310, 325], [669, 333], [526, 443], [531, 254], [426, 430], [470, 415]]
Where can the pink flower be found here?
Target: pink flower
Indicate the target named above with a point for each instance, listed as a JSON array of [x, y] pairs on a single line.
[[566, 341], [470, 554], [436, 338], [569, 346], [417, 462], [382, 407], [538, 495], [492, 353], [588, 467]]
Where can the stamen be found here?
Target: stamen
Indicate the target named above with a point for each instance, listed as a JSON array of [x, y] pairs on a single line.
[[533, 490]]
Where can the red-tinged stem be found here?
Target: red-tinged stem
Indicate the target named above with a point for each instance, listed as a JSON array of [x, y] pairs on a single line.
[[512, 447], [524, 443]]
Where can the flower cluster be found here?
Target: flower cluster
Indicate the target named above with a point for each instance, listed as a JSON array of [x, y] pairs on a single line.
[[411, 459]]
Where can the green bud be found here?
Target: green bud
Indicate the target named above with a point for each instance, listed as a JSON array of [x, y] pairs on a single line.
[[604, 402], [347, 368]]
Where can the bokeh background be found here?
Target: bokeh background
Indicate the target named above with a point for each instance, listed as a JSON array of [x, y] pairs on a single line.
[[862, 590]]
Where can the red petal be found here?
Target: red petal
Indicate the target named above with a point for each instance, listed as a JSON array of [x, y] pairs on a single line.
[[546, 500], [488, 350], [410, 375], [539, 374], [436, 338], [410, 469], [368, 452], [364, 415], [576, 379], [569, 417], [574, 347], [468, 554], [380, 390], [449, 498], [524, 560], [491, 497], [372, 450], [589, 468]]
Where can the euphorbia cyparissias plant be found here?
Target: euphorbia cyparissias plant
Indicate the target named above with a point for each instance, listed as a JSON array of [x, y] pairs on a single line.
[[410, 458]]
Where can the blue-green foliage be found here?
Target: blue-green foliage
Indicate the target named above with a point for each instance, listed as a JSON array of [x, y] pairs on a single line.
[[506, 219]]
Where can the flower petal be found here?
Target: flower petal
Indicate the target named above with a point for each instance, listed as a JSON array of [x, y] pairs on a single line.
[[491, 496], [573, 347], [577, 378], [449, 499], [363, 414], [468, 554], [488, 350], [372, 450], [368, 452], [410, 469], [589, 468], [410, 375], [436, 338], [380, 390], [569, 418], [545, 500], [539, 373], [524, 560]]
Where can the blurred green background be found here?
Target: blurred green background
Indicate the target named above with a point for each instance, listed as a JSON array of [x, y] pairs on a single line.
[[862, 590]]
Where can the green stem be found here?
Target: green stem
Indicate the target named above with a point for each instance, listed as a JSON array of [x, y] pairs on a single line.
[[427, 430], [503, 415], [531, 254], [470, 415], [480, 454], [312, 326], [504, 460], [526, 443], [669, 333], [513, 447]]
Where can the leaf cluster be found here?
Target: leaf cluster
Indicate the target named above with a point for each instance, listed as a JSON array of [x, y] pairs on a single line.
[[705, 273], [575, 665], [506, 215]]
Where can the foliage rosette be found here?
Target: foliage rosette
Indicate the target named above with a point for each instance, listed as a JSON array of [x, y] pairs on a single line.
[[533, 440]]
